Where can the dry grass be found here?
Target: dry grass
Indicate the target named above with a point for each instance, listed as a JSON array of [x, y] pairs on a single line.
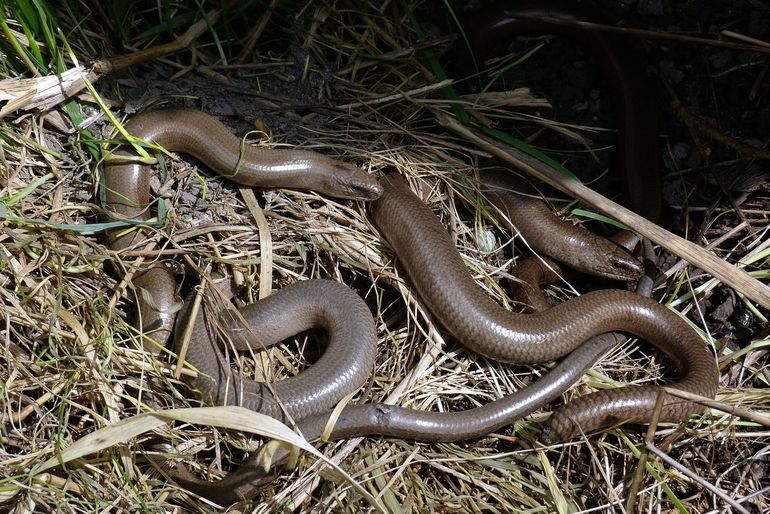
[[72, 364]]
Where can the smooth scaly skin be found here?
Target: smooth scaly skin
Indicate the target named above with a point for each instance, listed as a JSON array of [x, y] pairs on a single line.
[[534, 272], [343, 367], [582, 250], [400, 422], [127, 189], [345, 364], [531, 273], [409, 225], [436, 270], [637, 157], [440, 277]]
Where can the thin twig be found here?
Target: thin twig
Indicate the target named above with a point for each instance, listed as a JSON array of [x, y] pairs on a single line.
[[690, 474], [645, 33], [641, 467], [183, 42]]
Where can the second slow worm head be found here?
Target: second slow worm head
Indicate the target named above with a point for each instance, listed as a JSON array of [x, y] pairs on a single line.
[[581, 250]]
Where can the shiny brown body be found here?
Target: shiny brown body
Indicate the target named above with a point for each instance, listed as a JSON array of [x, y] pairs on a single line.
[[425, 251], [127, 189], [437, 272]]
